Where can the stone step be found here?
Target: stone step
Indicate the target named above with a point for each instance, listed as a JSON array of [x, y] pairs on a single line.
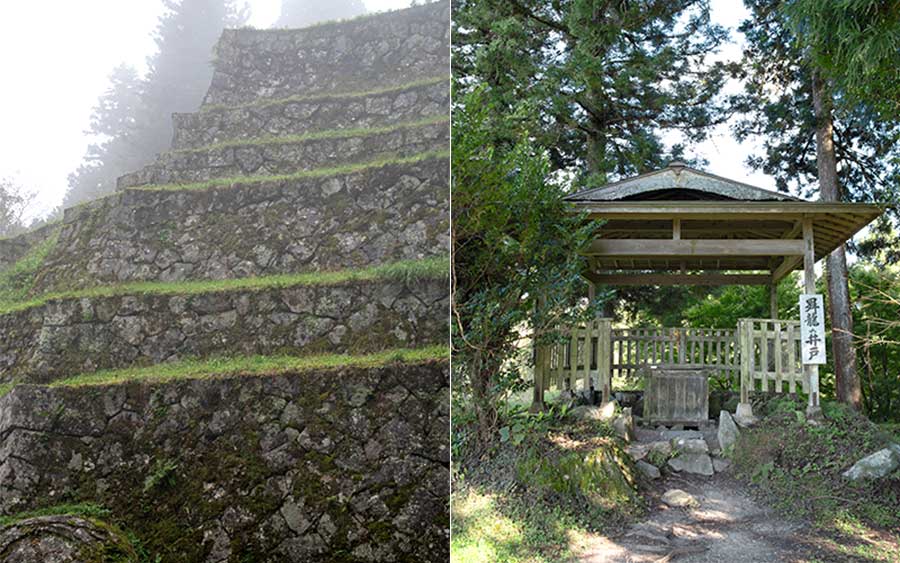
[[286, 155], [368, 439], [376, 51], [120, 327], [300, 115], [364, 217]]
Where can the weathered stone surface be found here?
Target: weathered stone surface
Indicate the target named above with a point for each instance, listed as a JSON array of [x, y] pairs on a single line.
[[15, 247], [62, 539], [649, 470], [357, 55], [876, 465], [677, 498], [728, 432], [623, 425], [690, 446], [721, 464], [744, 415], [65, 337], [603, 413], [365, 218], [277, 157], [696, 463], [294, 466], [298, 116]]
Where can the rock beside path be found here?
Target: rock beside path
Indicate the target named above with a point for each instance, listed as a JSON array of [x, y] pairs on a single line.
[[875, 466], [649, 470], [696, 463], [677, 498], [728, 432]]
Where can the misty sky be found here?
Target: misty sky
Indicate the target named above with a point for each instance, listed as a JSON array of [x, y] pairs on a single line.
[[55, 64]]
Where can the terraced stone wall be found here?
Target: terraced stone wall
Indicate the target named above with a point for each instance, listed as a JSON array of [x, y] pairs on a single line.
[[375, 215], [14, 248], [70, 336], [370, 52], [331, 465], [301, 114]]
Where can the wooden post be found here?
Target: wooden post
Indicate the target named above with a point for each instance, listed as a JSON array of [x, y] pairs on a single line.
[[811, 371], [604, 358], [541, 353], [773, 300]]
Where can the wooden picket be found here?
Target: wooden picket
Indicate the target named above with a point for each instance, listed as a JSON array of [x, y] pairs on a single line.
[[770, 356]]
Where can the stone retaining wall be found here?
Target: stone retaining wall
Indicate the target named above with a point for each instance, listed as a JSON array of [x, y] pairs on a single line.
[[65, 337], [370, 52], [374, 216], [14, 248], [272, 158], [299, 116], [350, 463]]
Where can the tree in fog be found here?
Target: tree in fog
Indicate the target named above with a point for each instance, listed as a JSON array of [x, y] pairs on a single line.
[[14, 203], [303, 13], [132, 121]]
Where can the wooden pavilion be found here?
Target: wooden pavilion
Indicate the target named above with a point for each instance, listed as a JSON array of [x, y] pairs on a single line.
[[683, 226]]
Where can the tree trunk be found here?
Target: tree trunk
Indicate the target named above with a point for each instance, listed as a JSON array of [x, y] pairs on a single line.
[[846, 378]]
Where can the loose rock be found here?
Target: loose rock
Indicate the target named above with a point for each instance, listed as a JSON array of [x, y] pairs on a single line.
[[650, 471], [677, 498], [696, 463], [728, 431], [875, 466]]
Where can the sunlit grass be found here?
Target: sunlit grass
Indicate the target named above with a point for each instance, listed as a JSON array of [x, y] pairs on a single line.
[[316, 135], [264, 102], [304, 174], [406, 270], [252, 366]]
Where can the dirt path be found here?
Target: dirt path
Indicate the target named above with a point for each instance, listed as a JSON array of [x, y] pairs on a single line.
[[726, 526]]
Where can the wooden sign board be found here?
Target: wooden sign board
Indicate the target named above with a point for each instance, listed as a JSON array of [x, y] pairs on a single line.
[[812, 328]]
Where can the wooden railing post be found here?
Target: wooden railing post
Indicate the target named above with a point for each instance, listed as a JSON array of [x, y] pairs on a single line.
[[604, 358], [745, 338], [537, 401]]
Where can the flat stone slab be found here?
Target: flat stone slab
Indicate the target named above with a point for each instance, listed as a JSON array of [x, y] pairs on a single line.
[[677, 498], [720, 464], [690, 446], [676, 434], [649, 470], [696, 463]]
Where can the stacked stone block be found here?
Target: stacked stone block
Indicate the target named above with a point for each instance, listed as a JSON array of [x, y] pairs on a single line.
[[316, 150]]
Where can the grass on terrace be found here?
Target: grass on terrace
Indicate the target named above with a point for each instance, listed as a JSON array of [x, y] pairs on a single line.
[[406, 270], [315, 173], [263, 102], [252, 366], [317, 135], [17, 280], [85, 510]]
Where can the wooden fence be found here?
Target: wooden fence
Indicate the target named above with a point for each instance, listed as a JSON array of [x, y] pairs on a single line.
[[770, 356], [761, 354]]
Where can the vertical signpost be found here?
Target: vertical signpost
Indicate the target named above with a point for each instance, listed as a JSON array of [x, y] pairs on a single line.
[[812, 329]]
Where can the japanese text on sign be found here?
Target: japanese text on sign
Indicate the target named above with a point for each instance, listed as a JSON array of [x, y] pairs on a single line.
[[812, 328]]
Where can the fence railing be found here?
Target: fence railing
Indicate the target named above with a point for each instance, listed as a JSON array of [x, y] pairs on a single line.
[[770, 356], [633, 348], [761, 354]]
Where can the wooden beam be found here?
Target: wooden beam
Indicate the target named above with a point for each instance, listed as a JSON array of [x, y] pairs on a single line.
[[678, 279], [676, 229], [688, 248]]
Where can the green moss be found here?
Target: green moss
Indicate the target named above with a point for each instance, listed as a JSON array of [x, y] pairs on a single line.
[[315, 173], [251, 366], [317, 135], [18, 280], [87, 510], [406, 270], [263, 102], [5, 388]]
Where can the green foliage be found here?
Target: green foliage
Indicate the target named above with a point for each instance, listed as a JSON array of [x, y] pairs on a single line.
[[162, 475], [724, 307], [876, 294], [776, 108], [17, 281], [605, 80], [799, 465], [516, 262], [405, 270], [856, 43], [249, 366]]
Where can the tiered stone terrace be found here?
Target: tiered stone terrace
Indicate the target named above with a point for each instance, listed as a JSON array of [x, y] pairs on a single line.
[[303, 212]]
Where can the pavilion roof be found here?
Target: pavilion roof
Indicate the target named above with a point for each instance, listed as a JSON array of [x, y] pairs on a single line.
[[683, 219]]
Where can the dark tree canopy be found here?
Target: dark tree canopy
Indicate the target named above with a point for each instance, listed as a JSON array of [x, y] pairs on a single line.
[[777, 109], [608, 79], [303, 13]]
